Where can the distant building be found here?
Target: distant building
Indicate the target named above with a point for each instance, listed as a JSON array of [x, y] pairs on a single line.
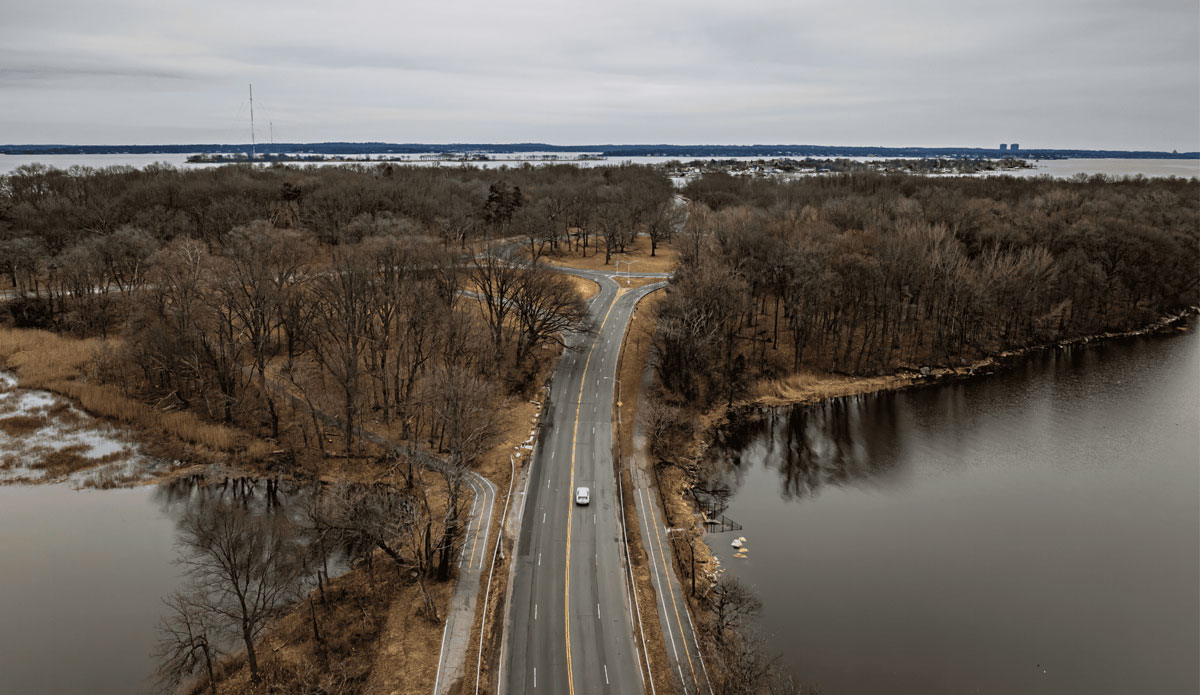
[[1003, 147], [1014, 147]]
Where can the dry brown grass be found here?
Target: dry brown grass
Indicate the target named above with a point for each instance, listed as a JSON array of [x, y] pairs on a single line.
[[811, 385], [587, 288], [408, 647], [663, 261], [59, 463], [374, 640], [20, 425], [55, 363]]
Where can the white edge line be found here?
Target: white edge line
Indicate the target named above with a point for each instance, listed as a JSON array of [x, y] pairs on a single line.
[[487, 593]]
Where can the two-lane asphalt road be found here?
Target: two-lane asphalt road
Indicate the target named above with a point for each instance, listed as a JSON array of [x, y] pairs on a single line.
[[571, 620]]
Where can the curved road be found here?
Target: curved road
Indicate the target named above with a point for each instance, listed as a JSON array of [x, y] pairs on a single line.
[[571, 619]]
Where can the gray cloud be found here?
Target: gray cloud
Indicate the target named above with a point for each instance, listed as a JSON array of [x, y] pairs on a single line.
[[1070, 73]]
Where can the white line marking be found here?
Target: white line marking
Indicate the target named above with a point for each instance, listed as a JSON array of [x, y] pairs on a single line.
[[471, 520], [441, 655], [543, 517], [658, 580], [539, 559], [535, 676], [535, 611]]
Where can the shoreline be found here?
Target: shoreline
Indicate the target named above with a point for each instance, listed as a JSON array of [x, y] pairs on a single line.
[[717, 421], [907, 378]]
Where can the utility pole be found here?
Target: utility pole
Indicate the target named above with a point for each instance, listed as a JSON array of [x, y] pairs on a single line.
[[253, 146]]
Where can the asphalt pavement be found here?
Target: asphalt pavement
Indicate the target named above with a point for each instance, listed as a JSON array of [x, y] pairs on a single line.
[[571, 619]]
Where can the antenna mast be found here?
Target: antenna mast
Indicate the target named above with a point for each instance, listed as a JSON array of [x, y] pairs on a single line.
[[253, 146]]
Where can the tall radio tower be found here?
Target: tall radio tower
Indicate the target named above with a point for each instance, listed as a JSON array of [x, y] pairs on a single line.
[[253, 146]]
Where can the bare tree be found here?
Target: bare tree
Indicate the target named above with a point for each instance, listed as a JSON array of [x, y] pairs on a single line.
[[365, 518], [341, 333], [743, 667], [460, 402], [732, 605], [547, 305], [243, 567], [265, 266], [496, 277], [663, 220], [187, 644]]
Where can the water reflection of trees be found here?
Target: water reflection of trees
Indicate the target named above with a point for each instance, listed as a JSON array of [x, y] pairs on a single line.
[[174, 496], [251, 548], [839, 442]]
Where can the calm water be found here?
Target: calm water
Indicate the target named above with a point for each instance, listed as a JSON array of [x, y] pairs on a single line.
[[1058, 168], [1032, 532], [82, 574], [82, 578]]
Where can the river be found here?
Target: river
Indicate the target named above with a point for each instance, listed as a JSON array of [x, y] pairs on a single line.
[[1035, 531]]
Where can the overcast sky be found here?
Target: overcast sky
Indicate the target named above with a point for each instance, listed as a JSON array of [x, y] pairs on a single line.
[[1045, 73]]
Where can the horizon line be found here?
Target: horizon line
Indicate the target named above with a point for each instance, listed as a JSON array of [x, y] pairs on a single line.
[[593, 146]]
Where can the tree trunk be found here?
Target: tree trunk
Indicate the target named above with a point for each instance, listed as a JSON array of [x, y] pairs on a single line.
[[251, 656]]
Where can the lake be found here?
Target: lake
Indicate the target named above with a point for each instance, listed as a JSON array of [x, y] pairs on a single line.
[[81, 587], [1057, 168], [83, 579], [1035, 531]]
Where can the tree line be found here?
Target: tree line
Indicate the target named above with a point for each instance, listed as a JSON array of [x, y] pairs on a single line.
[[867, 273], [52, 219], [367, 286]]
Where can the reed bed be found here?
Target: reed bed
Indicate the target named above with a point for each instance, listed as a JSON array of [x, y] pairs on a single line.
[[48, 361]]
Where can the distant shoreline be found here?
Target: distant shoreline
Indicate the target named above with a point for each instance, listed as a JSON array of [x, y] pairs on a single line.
[[612, 151]]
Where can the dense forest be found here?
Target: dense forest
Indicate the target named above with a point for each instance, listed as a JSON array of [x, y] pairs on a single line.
[[865, 273], [366, 277], [369, 328]]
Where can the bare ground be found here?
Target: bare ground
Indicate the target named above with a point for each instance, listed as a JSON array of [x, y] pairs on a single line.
[[663, 261]]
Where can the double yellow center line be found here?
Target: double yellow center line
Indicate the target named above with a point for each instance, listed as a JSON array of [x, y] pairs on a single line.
[[571, 508]]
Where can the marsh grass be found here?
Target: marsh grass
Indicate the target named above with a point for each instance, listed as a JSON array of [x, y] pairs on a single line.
[[55, 363], [21, 425], [811, 385], [63, 462]]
